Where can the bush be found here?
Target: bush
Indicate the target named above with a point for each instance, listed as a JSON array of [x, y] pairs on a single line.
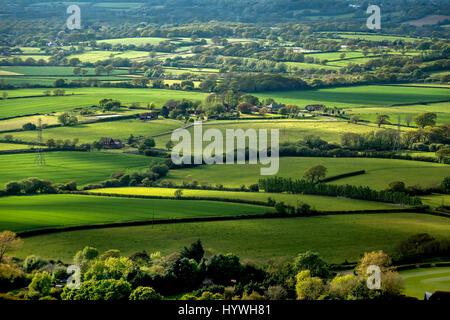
[[83, 257], [160, 169], [11, 277], [253, 188], [280, 207], [307, 287], [29, 126], [99, 290], [12, 188], [397, 186], [41, 283], [224, 268], [33, 262], [419, 146], [145, 293], [311, 261]]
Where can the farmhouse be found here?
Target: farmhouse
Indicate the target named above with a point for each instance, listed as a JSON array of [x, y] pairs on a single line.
[[110, 143], [149, 115], [273, 107], [315, 107]]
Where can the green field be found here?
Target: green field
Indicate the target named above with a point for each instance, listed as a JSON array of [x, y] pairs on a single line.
[[12, 146], [83, 167], [52, 71], [289, 131], [88, 133], [374, 37], [442, 111], [350, 97], [134, 41], [336, 238], [419, 281], [83, 97], [436, 200], [379, 172], [94, 55], [317, 202], [22, 213], [17, 123]]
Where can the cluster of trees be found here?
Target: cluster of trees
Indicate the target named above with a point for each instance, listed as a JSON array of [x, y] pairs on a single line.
[[36, 185], [419, 247], [65, 144], [279, 185], [143, 276], [146, 178], [67, 119]]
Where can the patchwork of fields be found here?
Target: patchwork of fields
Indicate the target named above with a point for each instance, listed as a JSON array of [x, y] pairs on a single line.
[[337, 238]]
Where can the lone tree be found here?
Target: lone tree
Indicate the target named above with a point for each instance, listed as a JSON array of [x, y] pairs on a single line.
[[245, 107], [354, 119], [382, 119], [315, 173], [426, 119], [8, 241]]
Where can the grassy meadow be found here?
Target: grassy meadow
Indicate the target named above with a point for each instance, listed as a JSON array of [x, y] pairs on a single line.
[[84, 97], [83, 167], [22, 213], [289, 131], [88, 133], [379, 172], [336, 238]]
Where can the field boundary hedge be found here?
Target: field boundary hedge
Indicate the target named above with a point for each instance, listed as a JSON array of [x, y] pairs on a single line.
[[344, 175]]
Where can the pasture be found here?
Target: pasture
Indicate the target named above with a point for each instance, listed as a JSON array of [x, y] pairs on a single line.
[[289, 131], [379, 172], [22, 213], [84, 97], [88, 133], [359, 96], [442, 111], [65, 166], [12, 146], [419, 281], [317, 202], [336, 238], [17, 123]]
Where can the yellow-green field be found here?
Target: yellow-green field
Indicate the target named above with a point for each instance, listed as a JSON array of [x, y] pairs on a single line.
[[317, 202]]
